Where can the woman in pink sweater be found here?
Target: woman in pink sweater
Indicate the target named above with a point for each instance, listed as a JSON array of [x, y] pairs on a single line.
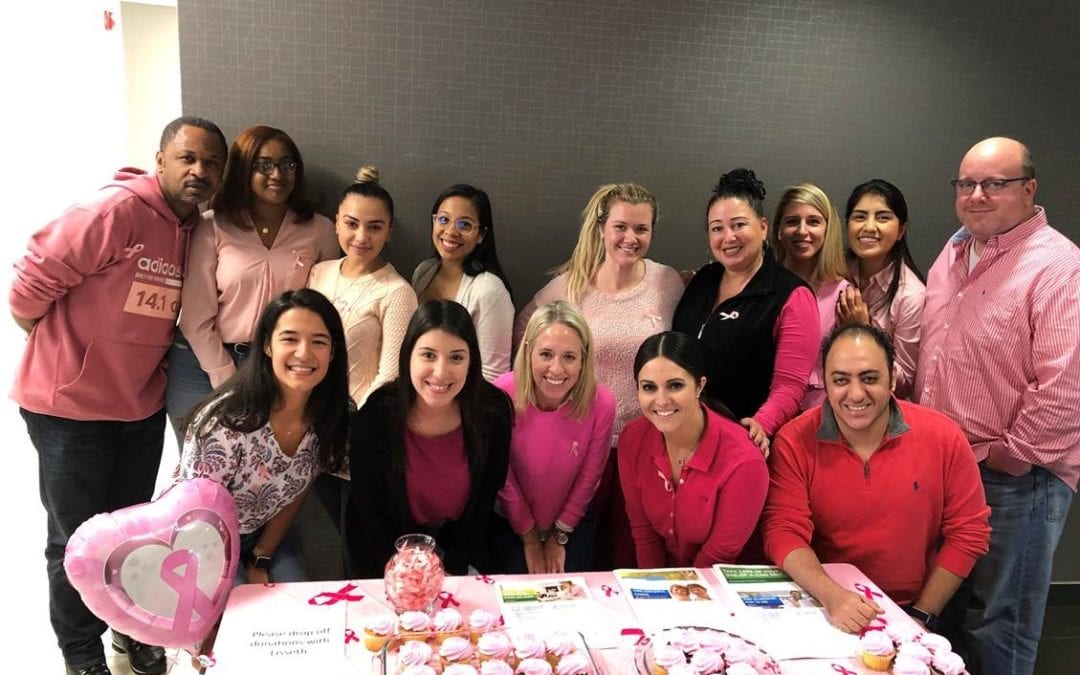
[[559, 446]]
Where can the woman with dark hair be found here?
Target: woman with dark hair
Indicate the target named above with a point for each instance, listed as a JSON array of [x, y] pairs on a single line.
[[694, 482], [429, 451], [465, 268], [756, 320], [273, 426], [889, 288], [261, 238]]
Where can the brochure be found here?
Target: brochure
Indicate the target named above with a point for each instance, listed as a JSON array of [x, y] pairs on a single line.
[[676, 596], [552, 603]]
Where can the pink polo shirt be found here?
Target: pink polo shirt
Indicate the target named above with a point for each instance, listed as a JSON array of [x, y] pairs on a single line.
[[709, 514], [1001, 347]]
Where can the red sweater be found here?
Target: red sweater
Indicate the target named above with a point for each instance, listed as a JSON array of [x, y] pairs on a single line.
[[709, 515], [886, 516]]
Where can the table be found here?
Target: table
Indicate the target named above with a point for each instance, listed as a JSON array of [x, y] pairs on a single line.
[[296, 617]]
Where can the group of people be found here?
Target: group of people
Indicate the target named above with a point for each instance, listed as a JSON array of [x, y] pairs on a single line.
[[756, 411]]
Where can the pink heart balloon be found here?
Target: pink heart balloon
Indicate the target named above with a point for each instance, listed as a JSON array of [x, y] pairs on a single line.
[[160, 572]]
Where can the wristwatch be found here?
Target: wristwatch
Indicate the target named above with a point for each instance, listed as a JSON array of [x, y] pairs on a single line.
[[927, 619], [561, 534], [260, 562]]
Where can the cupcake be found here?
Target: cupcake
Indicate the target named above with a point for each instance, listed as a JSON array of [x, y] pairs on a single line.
[[714, 640], [378, 631], [496, 667], [414, 653], [460, 669], [907, 665], [935, 643], [415, 626], [949, 663], [418, 670], [877, 650], [534, 667], [455, 650], [447, 622], [707, 662], [901, 633], [915, 650], [481, 621], [682, 669], [574, 663], [558, 645], [528, 646], [494, 646], [739, 652], [685, 640], [740, 669], [666, 656]]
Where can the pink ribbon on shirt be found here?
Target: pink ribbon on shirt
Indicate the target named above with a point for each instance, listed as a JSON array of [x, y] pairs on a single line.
[[192, 599]]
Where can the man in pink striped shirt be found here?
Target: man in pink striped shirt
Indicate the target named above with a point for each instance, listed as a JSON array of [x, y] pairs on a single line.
[[1001, 356]]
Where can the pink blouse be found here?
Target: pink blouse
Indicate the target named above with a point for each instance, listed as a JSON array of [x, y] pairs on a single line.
[[901, 319], [827, 295]]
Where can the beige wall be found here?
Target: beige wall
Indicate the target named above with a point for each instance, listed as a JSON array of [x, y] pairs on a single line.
[[152, 70]]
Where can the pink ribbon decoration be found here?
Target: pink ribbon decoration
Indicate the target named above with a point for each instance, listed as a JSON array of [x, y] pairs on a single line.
[[350, 636], [877, 623], [192, 598], [842, 670], [485, 578], [448, 599], [867, 591], [608, 590], [642, 639], [332, 598]]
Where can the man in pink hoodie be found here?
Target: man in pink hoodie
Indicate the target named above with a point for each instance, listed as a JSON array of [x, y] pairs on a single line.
[[98, 293]]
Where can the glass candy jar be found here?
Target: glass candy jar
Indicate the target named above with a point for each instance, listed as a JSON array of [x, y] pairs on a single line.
[[414, 575]]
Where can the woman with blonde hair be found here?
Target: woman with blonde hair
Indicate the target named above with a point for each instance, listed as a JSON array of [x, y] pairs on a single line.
[[808, 241], [625, 297], [560, 443]]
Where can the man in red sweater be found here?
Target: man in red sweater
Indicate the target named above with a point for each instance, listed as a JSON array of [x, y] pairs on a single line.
[[886, 485]]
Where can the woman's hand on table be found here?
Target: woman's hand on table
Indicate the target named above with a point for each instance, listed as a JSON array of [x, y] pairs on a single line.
[[851, 612], [757, 434], [535, 562], [554, 557], [256, 575]]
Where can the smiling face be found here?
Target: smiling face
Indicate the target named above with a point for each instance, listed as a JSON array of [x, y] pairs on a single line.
[[363, 228], [987, 215], [802, 231], [627, 232], [555, 358], [859, 387], [275, 188], [455, 229], [873, 229], [667, 394], [736, 234], [300, 349], [438, 368]]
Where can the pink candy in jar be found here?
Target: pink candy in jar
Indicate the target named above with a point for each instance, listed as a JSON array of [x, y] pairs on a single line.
[[414, 575]]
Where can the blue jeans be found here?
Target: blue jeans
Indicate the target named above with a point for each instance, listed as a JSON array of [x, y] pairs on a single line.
[[287, 563], [188, 383], [506, 555], [1003, 600], [86, 468]]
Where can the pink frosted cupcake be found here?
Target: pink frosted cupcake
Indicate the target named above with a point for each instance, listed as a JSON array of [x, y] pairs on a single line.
[[418, 670], [682, 669], [574, 663], [534, 667], [460, 669], [447, 622], [935, 643], [378, 630], [496, 667], [914, 650], [414, 653], [666, 656], [686, 640], [415, 626], [949, 663], [481, 621], [558, 645], [739, 652], [494, 646], [741, 669], [455, 650], [906, 665], [707, 662], [714, 640], [877, 650], [528, 646]]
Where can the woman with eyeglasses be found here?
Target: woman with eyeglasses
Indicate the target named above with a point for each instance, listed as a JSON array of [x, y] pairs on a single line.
[[465, 268], [808, 241], [261, 238], [889, 288]]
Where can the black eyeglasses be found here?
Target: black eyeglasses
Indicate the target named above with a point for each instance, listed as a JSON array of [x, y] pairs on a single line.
[[266, 166], [989, 186]]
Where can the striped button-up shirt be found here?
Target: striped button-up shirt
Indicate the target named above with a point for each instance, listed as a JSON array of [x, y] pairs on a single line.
[[1001, 347]]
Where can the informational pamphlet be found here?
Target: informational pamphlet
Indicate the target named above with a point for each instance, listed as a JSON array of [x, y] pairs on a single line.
[[677, 596], [554, 603], [769, 604]]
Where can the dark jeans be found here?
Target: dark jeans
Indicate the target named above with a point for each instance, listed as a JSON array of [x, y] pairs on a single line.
[[188, 383], [507, 556], [86, 468]]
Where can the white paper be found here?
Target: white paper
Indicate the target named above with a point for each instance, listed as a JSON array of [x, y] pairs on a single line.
[[554, 603], [676, 596]]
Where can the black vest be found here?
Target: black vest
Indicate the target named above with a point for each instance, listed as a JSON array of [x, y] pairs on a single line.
[[737, 337]]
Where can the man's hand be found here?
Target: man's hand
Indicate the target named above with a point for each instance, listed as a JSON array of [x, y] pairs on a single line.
[[850, 612]]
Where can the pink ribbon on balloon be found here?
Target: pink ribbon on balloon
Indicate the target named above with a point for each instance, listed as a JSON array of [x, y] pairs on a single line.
[[867, 591], [192, 599], [447, 599]]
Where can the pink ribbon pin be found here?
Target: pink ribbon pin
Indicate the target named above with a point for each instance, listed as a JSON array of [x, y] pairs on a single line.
[[192, 599], [447, 599], [333, 597]]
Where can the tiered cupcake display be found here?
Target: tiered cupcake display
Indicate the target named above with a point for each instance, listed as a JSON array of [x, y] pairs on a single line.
[[908, 652], [704, 651], [415, 644]]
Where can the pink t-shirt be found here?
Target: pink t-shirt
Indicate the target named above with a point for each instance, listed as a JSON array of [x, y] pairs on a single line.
[[436, 476]]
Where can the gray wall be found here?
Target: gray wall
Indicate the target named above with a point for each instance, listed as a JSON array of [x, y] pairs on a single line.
[[539, 102]]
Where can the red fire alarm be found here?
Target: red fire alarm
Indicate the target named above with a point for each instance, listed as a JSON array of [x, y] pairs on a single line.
[[110, 22]]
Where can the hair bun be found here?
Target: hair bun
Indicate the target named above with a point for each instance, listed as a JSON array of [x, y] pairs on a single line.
[[367, 174], [741, 181]]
